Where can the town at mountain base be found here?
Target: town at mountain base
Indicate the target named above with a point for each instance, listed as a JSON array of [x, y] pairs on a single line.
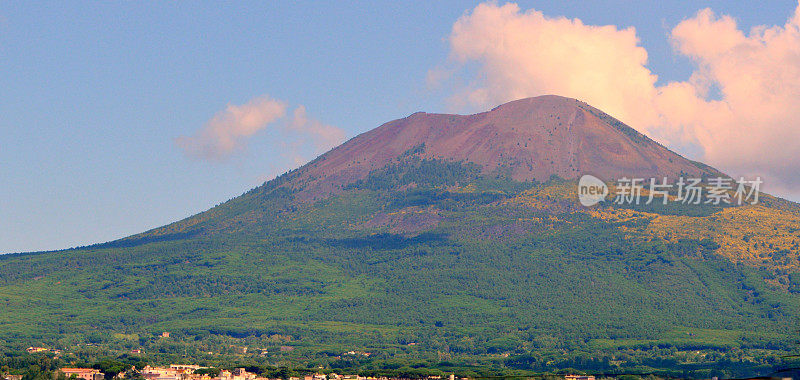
[[446, 242], [196, 372]]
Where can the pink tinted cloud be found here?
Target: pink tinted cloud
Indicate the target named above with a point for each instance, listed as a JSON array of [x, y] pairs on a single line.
[[228, 130], [322, 136], [751, 128], [525, 53]]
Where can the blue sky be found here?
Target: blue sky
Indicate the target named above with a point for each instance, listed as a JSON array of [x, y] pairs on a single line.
[[93, 95]]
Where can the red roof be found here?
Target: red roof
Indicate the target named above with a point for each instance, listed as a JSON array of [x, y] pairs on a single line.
[[77, 370]]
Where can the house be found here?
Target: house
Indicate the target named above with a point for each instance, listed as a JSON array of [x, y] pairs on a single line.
[[33, 350], [83, 373], [186, 368], [237, 374], [578, 377], [176, 372], [160, 373], [242, 374]]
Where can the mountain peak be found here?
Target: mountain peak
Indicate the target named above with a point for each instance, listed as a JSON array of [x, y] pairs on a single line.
[[528, 139], [548, 99]]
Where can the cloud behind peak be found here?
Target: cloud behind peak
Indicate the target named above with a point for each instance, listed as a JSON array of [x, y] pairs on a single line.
[[738, 110], [228, 130]]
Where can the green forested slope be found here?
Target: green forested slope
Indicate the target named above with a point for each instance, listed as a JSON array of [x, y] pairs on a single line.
[[424, 260]]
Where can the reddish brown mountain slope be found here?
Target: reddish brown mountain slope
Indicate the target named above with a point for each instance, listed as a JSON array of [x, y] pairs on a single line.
[[530, 139], [534, 138]]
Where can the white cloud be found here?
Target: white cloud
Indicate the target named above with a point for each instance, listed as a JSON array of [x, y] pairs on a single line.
[[752, 127], [322, 136], [229, 129], [304, 137], [526, 54]]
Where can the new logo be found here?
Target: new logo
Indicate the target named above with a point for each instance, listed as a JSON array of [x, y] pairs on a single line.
[[591, 190]]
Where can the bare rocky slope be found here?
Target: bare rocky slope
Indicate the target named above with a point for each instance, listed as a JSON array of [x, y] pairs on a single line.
[[530, 139]]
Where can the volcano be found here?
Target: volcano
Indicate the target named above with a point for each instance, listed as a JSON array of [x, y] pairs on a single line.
[[447, 240], [530, 139]]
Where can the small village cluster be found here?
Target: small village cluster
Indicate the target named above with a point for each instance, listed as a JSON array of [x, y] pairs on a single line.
[[193, 372], [189, 372]]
